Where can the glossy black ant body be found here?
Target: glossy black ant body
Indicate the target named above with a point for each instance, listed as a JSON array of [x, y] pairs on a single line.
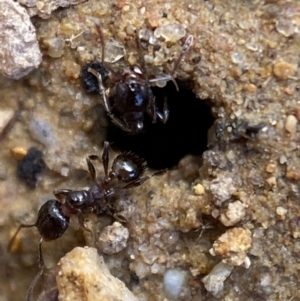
[[53, 217], [131, 97]]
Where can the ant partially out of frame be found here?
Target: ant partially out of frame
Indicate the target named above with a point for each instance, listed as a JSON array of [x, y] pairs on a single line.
[[131, 97], [53, 217]]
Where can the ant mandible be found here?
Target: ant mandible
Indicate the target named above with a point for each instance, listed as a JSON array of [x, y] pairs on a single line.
[[132, 96], [53, 217]]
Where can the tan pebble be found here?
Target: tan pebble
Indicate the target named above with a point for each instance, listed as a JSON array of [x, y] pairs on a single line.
[[120, 4], [233, 214], [281, 211], [72, 69], [296, 234], [283, 70], [40, 5], [291, 124], [199, 189], [271, 44], [293, 175], [233, 246], [283, 159], [297, 112], [19, 152], [126, 8], [251, 88], [153, 21], [270, 168], [132, 59], [289, 90], [272, 181], [83, 275]]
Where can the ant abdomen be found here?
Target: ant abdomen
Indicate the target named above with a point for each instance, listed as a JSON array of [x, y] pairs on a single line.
[[127, 167], [51, 222]]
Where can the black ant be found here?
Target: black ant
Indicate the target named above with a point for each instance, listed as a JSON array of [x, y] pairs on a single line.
[[132, 96], [53, 217]]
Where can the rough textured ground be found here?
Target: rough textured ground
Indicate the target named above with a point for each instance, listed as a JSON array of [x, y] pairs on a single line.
[[244, 196]]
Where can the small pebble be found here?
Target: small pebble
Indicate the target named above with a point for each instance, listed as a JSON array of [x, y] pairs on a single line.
[[233, 214], [285, 27], [214, 281], [281, 211], [272, 181], [232, 246], [64, 171], [270, 168], [199, 189], [55, 47], [41, 131], [171, 32], [283, 159], [293, 174], [282, 70], [113, 239], [174, 281], [291, 124], [251, 88], [19, 152]]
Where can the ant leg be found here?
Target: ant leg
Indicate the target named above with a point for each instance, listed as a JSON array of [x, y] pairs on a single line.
[[91, 166], [105, 158], [16, 233], [101, 89], [119, 123], [165, 115], [151, 109], [39, 274], [83, 226], [106, 103]]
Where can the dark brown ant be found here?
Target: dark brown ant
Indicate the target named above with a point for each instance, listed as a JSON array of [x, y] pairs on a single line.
[[53, 217], [132, 96]]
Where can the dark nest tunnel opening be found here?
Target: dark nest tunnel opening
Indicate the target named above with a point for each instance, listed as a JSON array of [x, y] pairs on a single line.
[[163, 145]]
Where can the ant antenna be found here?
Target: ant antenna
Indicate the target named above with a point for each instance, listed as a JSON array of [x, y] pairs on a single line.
[[140, 56], [186, 46], [100, 33]]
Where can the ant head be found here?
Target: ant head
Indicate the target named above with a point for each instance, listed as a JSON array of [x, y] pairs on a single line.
[[128, 167], [51, 222]]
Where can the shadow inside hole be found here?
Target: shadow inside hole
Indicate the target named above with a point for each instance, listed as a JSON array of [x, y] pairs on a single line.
[[163, 145]]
